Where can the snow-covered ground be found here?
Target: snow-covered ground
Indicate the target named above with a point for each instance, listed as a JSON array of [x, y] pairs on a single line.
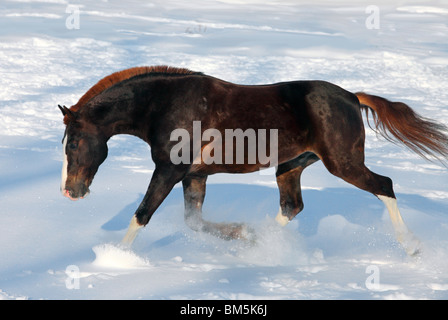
[[340, 247]]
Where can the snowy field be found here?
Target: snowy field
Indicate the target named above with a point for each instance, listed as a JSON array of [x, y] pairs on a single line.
[[340, 247]]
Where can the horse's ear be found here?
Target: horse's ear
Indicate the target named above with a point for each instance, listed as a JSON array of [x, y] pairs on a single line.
[[66, 112], [62, 110]]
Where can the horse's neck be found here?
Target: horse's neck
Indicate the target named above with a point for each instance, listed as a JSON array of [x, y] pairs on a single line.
[[129, 126], [125, 118], [122, 121]]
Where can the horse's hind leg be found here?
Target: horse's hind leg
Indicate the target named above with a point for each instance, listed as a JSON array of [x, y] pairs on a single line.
[[288, 181], [350, 167], [194, 194]]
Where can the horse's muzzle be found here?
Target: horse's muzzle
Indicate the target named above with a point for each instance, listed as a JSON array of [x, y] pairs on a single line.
[[76, 194]]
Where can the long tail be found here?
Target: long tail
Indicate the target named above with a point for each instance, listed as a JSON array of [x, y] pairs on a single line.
[[396, 121]]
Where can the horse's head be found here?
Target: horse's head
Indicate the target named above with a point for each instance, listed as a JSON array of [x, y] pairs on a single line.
[[85, 149]]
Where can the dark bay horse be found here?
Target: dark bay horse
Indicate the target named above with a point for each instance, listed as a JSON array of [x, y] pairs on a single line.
[[312, 120]]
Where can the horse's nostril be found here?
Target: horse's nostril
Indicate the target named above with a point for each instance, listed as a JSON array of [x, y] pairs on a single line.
[[73, 196], [67, 194]]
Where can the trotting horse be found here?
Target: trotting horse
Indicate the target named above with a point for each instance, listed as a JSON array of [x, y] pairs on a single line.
[[315, 120]]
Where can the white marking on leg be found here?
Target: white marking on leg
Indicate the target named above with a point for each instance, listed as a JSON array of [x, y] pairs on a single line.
[[64, 166], [281, 219], [132, 232], [410, 243], [394, 213]]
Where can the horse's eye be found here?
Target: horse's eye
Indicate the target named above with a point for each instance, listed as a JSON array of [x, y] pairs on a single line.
[[73, 145]]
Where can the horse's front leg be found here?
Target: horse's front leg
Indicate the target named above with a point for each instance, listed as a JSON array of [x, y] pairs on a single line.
[[162, 182], [194, 193]]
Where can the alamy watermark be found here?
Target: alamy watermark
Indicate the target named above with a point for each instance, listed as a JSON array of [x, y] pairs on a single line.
[[73, 276], [73, 20], [198, 29], [373, 280], [228, 149], [373, 20]]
